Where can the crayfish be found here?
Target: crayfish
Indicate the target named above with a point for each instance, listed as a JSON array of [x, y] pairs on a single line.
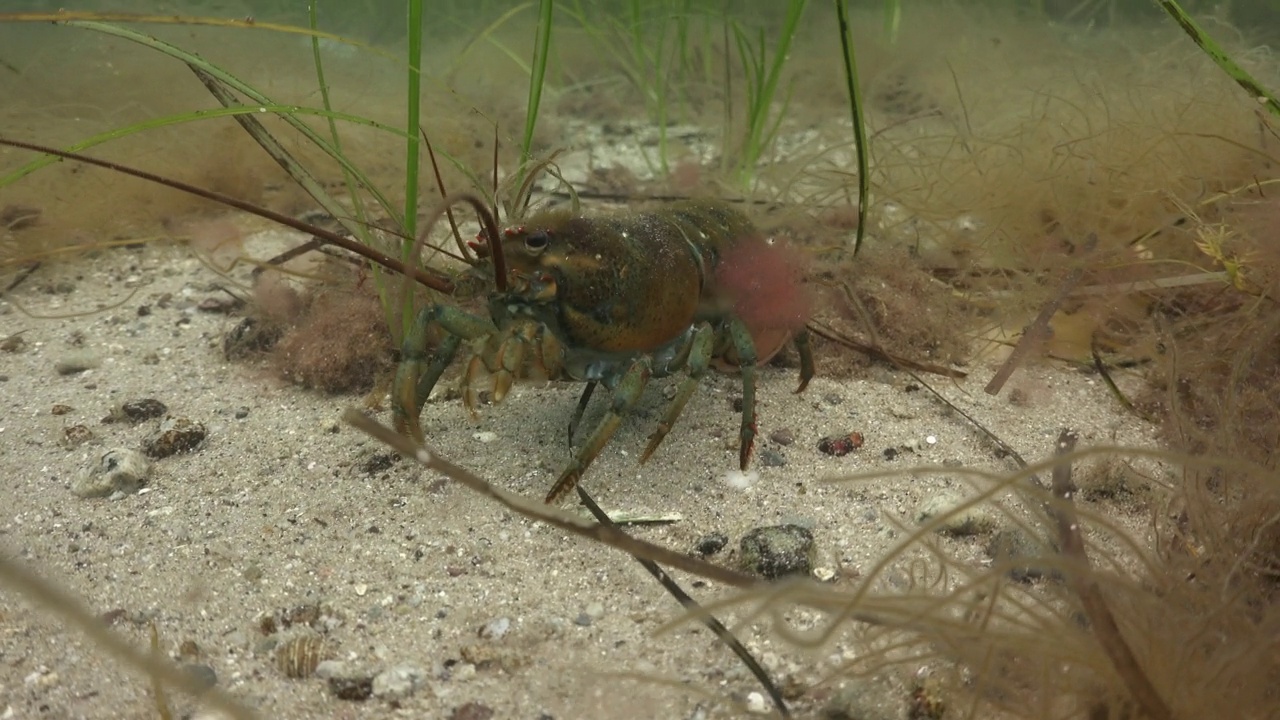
[[600, 299]]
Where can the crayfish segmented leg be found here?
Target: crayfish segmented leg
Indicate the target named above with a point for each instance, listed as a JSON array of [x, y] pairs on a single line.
[[625, 395], [701, 347]]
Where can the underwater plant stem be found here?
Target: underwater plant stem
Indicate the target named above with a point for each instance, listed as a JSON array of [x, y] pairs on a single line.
[[553, 516], [1038, 331], [48, 597], [762, 74], [413, 148], [537, 75], [717, 628], [1220, 56], [413, 97], [892, 18], [1086, 588], [435, 282], [859, 122]]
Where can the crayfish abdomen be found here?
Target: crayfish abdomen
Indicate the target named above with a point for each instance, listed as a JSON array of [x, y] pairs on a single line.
[[625, 297]]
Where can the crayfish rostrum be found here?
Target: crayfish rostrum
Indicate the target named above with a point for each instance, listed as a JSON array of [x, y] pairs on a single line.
[[600, 299]]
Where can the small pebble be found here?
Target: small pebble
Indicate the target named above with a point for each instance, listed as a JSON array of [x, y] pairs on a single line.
[[756, 704], [75, 363], [485, 436], [496, 629], [353, 689], [970, 521], [583, 620], [118, 470], [242, 413], [219, 305], [840, 445], [250, 337], [777, 551], [782, 436], [1013, 545], [136, 411], [398, 682], [471, 711], [772, 458], [832, 399], [710, 544], [59, 409], [595, 610], [14, 343], [175, 435], [203, 675], [73, 436]]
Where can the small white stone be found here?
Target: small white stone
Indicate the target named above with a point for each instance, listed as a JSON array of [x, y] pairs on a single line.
[[931, 440], [485, 436], [361, 589], [756, 704]]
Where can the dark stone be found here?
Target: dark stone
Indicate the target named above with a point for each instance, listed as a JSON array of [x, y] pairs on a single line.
[[139, 410], [710, 544], [1014, 546], [772, 458], [175, 435], [777, 551], [355, 689]]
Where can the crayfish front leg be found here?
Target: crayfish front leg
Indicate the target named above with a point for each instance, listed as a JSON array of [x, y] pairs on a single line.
[[417, 375], [625, 395]]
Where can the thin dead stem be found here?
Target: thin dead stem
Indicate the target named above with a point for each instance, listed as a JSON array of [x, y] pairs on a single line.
[[1085, 586]]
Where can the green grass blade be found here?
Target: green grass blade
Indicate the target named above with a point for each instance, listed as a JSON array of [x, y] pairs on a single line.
[[230, 81], [413, 147], [317, 60], [859, 122], [892, 18], [541, 50], [1220, 56], [268, 142]]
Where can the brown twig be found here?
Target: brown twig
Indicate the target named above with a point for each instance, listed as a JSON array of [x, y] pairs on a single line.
[[1038, 331], [725, 635], [432, 280], [48, 597], [829, 333], [1085, 586], [551, 515]]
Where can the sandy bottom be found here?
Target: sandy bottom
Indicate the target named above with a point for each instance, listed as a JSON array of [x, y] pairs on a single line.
[[284, 506]]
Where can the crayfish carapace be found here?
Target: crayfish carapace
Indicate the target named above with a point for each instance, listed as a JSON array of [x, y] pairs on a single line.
[[600, 299]]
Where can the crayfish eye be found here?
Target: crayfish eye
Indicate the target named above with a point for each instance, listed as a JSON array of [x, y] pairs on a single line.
[[536, 241]]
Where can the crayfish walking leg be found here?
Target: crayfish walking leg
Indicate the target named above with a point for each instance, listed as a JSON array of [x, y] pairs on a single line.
[[625, 394]]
